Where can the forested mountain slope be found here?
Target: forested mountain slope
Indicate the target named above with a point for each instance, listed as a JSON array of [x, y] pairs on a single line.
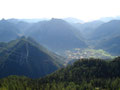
[[26, 57], [84, 74]]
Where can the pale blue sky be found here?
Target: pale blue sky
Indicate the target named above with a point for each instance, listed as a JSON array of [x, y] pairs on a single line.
[[83, 9]]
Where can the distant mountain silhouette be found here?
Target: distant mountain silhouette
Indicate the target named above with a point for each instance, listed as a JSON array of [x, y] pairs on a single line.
[[107, 37], [107, 30], [8, 31], [111, 45], [57, 34], [107, 19], [88, 27], [73, 20]]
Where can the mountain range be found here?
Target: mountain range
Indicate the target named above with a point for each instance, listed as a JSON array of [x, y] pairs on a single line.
[[107, 37], [57, 34], [102, 35], [36, 49]]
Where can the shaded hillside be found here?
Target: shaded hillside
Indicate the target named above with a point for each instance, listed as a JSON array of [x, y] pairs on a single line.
[[26, 57], [21, 25], [8, 31], [107, 37], [107, 30], [111, 45], [88, 27], [57, 34], [84, 74], [87, 74], [87, 69]]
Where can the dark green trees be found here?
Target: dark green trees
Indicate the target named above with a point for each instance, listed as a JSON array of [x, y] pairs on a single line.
[[85, 74]]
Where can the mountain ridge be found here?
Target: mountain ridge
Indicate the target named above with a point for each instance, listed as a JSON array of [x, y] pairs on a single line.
[[26, 58]]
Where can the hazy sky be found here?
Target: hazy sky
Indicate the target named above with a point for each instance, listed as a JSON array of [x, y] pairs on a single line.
[[83, 9]]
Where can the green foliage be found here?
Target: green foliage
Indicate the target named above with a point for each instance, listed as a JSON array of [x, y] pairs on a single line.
[[85, 74]]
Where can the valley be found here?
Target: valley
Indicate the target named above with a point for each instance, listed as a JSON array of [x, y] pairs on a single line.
[[78, 53], [59, 44], [58, 54]]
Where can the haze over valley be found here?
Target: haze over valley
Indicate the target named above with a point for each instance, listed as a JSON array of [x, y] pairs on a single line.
[[59, 45], [37, 48]]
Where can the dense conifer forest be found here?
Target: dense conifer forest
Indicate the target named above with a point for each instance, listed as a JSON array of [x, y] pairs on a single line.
[[84, 74]]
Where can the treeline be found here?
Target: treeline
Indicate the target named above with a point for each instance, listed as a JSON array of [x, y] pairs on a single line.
[[84, 74]]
